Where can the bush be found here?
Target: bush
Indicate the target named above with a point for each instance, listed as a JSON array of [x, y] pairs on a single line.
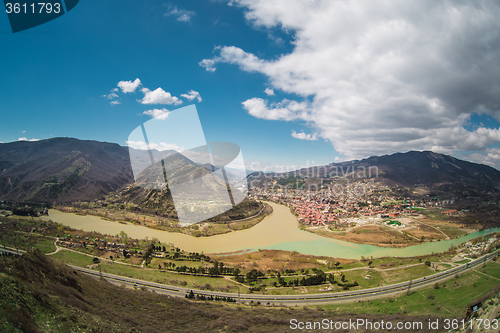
[[431, 296], [436, 286]]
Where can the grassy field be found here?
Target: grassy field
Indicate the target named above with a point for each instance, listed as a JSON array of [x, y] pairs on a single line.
[[153, 275], [171, 278], [449, 300], [452, 230], [28, 241], [72, 258]]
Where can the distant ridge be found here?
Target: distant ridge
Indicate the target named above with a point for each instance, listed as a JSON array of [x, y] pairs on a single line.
[[441, 175], [67, 170], [62, 170]]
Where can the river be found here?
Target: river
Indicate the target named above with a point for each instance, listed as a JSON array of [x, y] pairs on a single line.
[[277, 231]]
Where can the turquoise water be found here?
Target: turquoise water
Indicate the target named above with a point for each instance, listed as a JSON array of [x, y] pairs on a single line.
[[324, 247]]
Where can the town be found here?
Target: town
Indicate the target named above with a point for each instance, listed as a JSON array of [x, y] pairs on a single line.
[[332, 209]]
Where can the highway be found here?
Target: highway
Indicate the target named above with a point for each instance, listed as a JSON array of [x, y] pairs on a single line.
[[361, 294]]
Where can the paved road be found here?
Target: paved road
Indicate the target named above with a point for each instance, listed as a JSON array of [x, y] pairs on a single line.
[[308, 299]]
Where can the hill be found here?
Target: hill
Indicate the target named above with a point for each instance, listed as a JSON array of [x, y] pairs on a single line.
[[68, 171], [62, 170]]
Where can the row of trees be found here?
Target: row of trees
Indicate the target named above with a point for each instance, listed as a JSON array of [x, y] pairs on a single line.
[[319, 277], [192, 295]]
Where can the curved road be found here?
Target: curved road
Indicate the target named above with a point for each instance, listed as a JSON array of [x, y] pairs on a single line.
[[298, 299]]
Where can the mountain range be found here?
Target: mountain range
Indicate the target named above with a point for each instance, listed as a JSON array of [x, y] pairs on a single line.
[[414, 173], [65, 170]]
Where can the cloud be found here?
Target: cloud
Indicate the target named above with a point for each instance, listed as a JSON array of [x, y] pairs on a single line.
[[269, 92], [158, 146], [375, 78], [115, 102], [129, 86], [23, 132], [25, 139], [285, 110], [181, 15], [157, 113], [158, 96], [489, 156], [208, 64], [304, 136], [192, 95], [110, 96]]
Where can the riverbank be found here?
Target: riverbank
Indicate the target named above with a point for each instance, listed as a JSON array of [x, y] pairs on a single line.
[[204, 229], [278, 231]]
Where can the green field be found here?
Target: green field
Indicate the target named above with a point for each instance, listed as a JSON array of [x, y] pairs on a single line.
[[73, 258], [447, 301], [153, 275], [28, 241]]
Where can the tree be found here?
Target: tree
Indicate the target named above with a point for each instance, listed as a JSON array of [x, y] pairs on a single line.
[[253, 275], [428, 263], [96, 260], [337, 264], [221, 267], [370, 263]]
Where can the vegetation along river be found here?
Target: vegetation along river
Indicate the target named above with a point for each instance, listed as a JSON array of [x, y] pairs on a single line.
[[277, 231]]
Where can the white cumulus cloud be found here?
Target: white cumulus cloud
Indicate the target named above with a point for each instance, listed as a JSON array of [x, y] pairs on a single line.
[[269, 92], [379, 77], [161, 114], [192, 95], [158, 96], [284, 110], [129, 86], [208, 64], [25, 139], [304, 136]]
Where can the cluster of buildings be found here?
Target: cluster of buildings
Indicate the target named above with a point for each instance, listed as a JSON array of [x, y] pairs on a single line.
[[77, 241], [336, 209]]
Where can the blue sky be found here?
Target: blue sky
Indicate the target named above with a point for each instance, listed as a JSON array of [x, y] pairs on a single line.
[[349, 81]]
